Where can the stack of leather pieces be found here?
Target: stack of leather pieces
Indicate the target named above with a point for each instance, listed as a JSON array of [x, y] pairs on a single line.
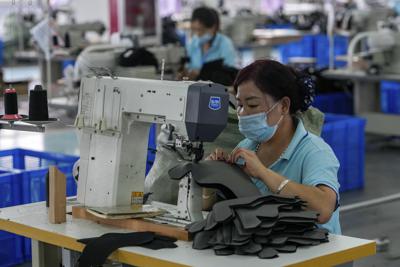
[[260, 225]]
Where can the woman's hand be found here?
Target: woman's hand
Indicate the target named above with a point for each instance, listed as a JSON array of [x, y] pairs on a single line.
[[218, 154], [252, 164]]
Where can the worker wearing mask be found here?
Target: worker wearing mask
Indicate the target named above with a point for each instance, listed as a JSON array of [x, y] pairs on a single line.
[[279, 153], [207, 44]]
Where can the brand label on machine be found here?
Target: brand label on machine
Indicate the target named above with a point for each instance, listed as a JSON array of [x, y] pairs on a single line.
[[214, 103]]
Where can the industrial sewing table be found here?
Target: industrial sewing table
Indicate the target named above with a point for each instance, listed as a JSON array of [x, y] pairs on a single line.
[[366, 101], [31, 220]]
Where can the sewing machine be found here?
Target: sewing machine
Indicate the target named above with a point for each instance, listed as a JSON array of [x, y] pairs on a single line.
[[113, 120], [380, 52]]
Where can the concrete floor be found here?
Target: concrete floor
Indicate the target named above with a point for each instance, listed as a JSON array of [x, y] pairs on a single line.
[[381, 179]]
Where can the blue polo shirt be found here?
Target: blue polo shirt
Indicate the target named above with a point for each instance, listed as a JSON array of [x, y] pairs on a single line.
[[308, 160], [221, 48]]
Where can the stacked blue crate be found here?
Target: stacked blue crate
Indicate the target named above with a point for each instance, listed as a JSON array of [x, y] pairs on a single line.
[[302, 48], [315, 46], [322, 50], [11, 249], [390, 97], [28, 172], [336, 102], [346, 136]]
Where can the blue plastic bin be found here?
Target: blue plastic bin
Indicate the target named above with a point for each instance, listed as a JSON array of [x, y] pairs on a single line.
[[67, 62], [390, 97], [28, 171], [11, 252], [10, 188], [322, 50], [279, 26], [346, 136], [152, 147], [336, 102], [302, 48], [11, 249]]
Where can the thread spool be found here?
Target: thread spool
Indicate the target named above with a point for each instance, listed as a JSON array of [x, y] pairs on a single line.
[[11, 105], [38, 110]]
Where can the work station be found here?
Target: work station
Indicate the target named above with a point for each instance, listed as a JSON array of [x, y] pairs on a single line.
[[199, 133]]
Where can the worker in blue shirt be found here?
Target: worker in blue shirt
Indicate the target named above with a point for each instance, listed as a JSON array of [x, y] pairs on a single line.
[[207, 44], [278, 153]]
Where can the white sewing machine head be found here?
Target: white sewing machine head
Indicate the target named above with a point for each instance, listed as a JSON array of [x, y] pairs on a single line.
[[114, 118]]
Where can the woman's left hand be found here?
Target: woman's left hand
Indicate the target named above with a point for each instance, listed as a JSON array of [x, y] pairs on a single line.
[[252, 164]]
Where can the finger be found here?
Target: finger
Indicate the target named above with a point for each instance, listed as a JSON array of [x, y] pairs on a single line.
[[222, 155], [238, 154]]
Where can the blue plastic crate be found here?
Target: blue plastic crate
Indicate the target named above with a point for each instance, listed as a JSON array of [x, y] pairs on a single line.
[[11, 252], [34, 166], [322, 50], [10, 188], [302, 48], [279, 26], [337, 102], [346, 136], [29, 169], [390, 97]]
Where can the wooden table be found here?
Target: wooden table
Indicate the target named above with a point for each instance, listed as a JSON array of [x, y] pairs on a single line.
[[31, 221]]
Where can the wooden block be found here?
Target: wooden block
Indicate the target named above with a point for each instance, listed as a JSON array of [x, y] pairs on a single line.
[[134, 224], [57, 196]]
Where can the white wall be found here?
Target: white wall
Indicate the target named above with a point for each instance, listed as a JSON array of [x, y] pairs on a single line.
[[91, 10]]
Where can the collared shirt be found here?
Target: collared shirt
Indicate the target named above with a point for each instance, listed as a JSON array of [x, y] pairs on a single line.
[[308, 160], [221, 48]]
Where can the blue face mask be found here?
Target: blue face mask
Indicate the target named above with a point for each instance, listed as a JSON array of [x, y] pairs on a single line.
[[256, 128], [203, 39]]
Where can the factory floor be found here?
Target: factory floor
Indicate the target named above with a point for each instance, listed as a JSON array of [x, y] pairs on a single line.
[[381, 179]]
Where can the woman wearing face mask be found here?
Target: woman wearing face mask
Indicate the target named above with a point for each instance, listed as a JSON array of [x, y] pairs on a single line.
[[207, 44], [280, 155]]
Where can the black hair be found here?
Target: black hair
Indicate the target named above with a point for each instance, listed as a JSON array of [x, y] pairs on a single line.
[[207, 16], [278, 81]]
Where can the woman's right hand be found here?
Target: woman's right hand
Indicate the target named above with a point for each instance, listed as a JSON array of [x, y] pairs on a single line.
[[218, 154]]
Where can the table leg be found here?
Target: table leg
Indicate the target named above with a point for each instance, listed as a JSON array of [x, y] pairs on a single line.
[[366, 97], [45, 255]]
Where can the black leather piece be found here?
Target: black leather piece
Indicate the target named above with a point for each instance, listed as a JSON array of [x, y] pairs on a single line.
[[217, 238], [223, 211], [236, 237], [180, 170], [267, 253], [97, 250], [267, 224], [200, 240], [224, 251], [305, 214], [227, 233], [211, 223], [228, 178], [218, 247], [279, 241], [302, 242], [286, 248], [157, 244], [264, 232], [262, 225], [249, 248], [196, 226], [240, 228], [250, 218], [261, 239]]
